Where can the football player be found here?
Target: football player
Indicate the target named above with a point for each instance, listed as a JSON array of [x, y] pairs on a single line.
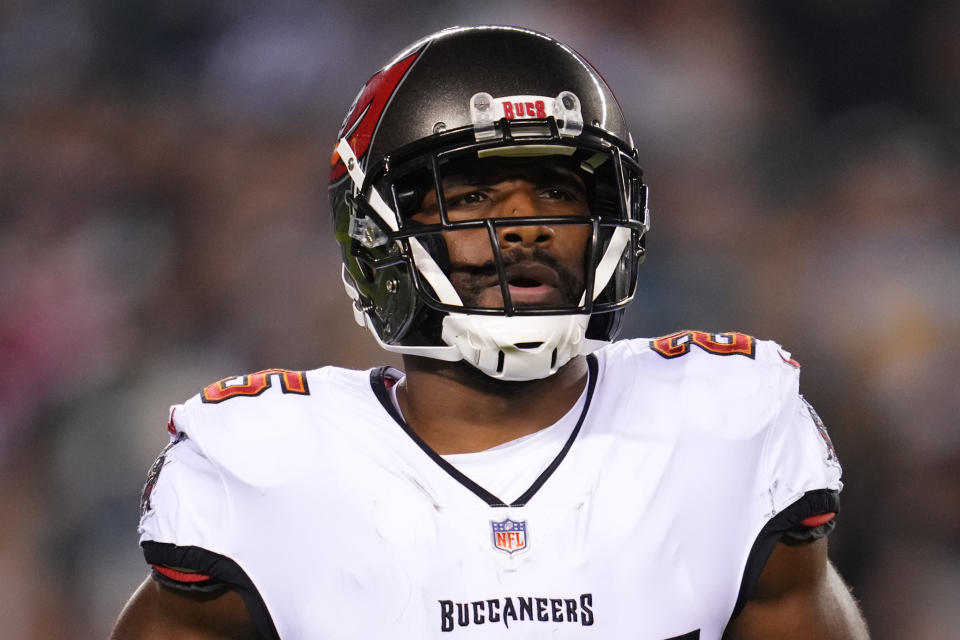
[[525, 475]]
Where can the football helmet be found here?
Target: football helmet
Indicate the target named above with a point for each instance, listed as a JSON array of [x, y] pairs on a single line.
[[459, 98]]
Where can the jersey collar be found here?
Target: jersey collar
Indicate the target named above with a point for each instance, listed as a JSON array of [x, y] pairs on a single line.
[[382, 378]]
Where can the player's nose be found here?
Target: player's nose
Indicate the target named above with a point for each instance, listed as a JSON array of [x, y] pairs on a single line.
[[521, 202]]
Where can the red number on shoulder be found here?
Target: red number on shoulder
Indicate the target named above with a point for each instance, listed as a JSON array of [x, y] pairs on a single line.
[[721, 344], [254, 384]]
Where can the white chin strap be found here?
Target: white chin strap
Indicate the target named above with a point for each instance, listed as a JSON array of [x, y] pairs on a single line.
[[514, 348], [518, 347]]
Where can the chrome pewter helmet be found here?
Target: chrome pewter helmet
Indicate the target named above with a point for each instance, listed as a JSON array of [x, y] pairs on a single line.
[[477, 94]]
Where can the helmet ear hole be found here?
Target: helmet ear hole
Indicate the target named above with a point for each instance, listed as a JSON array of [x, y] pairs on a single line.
[[394, 302]]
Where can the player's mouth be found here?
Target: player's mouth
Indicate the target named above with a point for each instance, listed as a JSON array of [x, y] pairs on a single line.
[[534, 284], [530, 283]]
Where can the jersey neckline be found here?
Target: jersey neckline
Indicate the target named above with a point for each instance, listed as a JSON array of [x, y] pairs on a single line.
[[382, 378]]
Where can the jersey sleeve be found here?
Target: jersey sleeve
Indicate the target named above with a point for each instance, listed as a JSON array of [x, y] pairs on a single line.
[[184, 497], [799, 478], [182, 502], [799, 460], [186, 525]]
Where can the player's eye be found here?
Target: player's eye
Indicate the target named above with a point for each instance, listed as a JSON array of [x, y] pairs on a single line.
[[563, 193], [556, 193], [466, 200]]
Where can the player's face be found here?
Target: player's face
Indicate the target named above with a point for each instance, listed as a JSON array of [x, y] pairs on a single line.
[[544, 263]]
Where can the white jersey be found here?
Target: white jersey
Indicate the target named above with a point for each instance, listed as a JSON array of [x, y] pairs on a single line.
[[657, 504]]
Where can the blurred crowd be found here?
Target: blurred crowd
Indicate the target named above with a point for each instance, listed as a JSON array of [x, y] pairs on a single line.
[[163, 224]]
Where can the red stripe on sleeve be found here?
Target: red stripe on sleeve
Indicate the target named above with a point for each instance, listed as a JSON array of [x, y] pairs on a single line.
[[180, 576], [817, 520]]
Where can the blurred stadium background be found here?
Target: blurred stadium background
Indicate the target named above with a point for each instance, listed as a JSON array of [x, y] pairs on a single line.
[[163, 224]]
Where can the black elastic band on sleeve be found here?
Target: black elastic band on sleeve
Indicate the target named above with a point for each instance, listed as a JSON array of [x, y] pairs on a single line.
[[221, 569], [782, 527]]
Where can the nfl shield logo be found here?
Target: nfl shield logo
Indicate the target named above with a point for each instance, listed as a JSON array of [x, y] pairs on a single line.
[[509, 535]]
